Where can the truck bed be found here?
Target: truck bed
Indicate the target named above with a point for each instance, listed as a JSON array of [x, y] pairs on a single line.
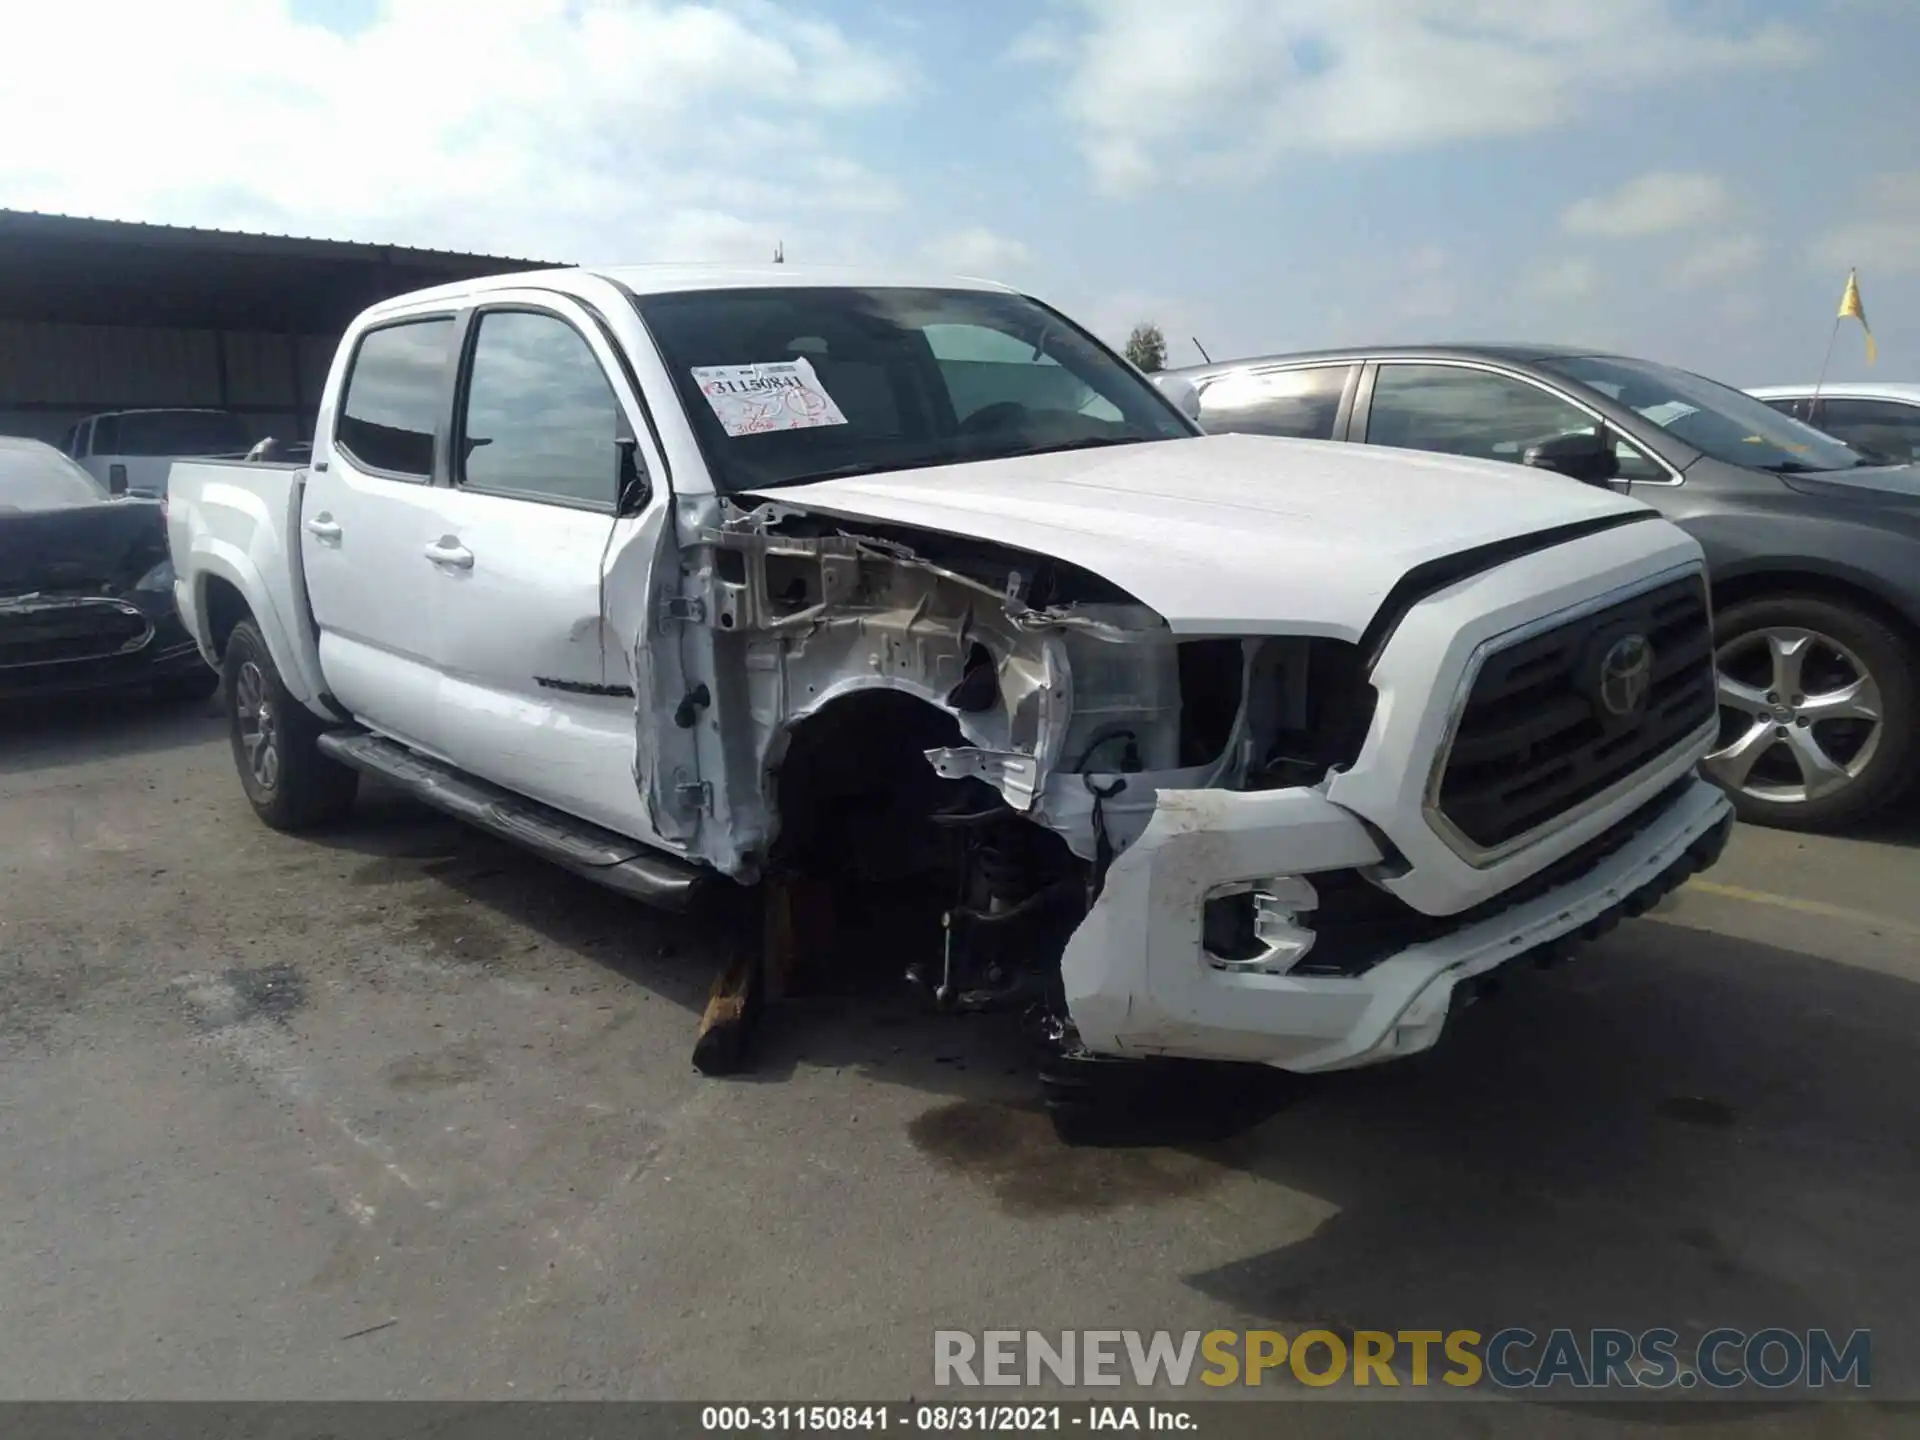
[[235, 523]]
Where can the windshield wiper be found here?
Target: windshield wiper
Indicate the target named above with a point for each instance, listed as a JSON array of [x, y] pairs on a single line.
[[836, 472], [849, 471], [1092, 442], [1793, 467], [863, 467]]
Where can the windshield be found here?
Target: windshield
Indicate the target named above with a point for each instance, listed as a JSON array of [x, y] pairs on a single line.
[[171, 432], [1713, 418], [785, 386], [38, 477]]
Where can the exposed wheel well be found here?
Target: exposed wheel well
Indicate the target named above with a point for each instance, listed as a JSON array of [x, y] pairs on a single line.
[[941, 878], [853, 787], [1762, 584], [224, 607]]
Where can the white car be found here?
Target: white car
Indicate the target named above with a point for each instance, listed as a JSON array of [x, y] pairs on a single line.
[[130, 451], [912, 594], [1881, 420]]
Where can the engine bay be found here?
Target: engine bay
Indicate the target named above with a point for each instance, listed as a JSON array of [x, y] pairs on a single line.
[[983, 730]]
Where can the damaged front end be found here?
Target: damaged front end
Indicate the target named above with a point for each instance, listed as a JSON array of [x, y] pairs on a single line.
[[956, 738]]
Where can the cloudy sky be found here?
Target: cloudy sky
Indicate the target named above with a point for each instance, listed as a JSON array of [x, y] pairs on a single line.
[[1688, 179]]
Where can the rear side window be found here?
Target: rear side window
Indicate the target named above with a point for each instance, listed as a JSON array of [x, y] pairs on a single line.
[[1302, 404], [176, 432], [396, 388], [1879, 429]]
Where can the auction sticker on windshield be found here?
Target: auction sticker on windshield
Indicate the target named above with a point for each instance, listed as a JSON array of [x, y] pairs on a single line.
[[756, 399]]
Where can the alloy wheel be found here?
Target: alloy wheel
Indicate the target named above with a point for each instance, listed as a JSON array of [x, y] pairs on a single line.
[[1800, 715], [259, 726]]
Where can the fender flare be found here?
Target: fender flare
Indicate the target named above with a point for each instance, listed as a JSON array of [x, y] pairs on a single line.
[[295, 655]]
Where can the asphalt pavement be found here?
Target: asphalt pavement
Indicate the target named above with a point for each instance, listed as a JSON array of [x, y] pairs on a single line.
[[401, 1112]]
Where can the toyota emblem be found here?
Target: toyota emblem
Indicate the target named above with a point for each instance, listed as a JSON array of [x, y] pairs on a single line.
[[1626, 675]]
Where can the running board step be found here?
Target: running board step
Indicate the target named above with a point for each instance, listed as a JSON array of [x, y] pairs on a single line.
[[599, 855]]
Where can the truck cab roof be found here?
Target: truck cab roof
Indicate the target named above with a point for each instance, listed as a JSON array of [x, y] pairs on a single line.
[[668, 277]]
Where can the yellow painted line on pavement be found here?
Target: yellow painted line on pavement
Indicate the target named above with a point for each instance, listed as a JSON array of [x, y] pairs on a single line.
[[1805, 907]]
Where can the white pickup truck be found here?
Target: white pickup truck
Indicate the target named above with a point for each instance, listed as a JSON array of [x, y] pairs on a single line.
[[1219, 747]]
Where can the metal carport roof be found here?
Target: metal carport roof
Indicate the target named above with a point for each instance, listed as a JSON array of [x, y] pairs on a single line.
[[73, 270]]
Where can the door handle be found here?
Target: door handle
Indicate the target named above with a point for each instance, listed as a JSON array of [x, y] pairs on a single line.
[[449, 551], [324, 527]]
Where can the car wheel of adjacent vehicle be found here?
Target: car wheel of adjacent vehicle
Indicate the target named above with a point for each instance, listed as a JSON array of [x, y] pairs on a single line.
[[290, 784], [1816, 711]]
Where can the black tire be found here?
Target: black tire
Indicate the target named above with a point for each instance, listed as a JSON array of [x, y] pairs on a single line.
[[1875, 762], [1101, 1101], [196, 685], [298, 788]]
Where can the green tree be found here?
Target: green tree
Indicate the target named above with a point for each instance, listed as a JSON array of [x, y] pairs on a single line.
[[1147, 347]]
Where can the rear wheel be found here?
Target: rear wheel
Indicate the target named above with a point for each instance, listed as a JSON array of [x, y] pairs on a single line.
[[289, 783], [1816, 712]]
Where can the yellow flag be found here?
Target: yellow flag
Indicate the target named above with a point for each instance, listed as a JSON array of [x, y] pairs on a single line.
[[1850, 306]]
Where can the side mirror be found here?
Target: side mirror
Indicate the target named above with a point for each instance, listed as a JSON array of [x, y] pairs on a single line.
[[1585, 457], [630, 477], [116, 479], [1182, 392], [631, 488]]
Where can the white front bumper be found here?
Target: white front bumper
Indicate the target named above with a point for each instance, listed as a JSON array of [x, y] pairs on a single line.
[[1139, 983]]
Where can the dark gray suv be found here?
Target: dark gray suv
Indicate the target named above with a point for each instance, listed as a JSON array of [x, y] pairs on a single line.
[[1813, 547]]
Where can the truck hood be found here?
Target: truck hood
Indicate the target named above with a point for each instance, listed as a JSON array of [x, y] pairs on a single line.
[[1230, 534]]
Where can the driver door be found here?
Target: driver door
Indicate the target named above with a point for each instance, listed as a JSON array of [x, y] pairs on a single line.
[[537, 674]]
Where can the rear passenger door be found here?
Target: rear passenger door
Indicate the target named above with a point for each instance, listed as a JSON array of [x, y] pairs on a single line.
[[368, 515], [1305, 403], [536, 689]]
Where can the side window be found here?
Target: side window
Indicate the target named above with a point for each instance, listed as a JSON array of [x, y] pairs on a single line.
[[1459, 411], [1298, 403], [540, 418], [394, 393], [1798, 406], [1879, 428], [983, 367], [1636, 464], [69, 442]]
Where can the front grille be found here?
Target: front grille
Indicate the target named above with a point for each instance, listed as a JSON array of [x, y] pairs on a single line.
[[1358, 924], [58, 631], [1536, 737]]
